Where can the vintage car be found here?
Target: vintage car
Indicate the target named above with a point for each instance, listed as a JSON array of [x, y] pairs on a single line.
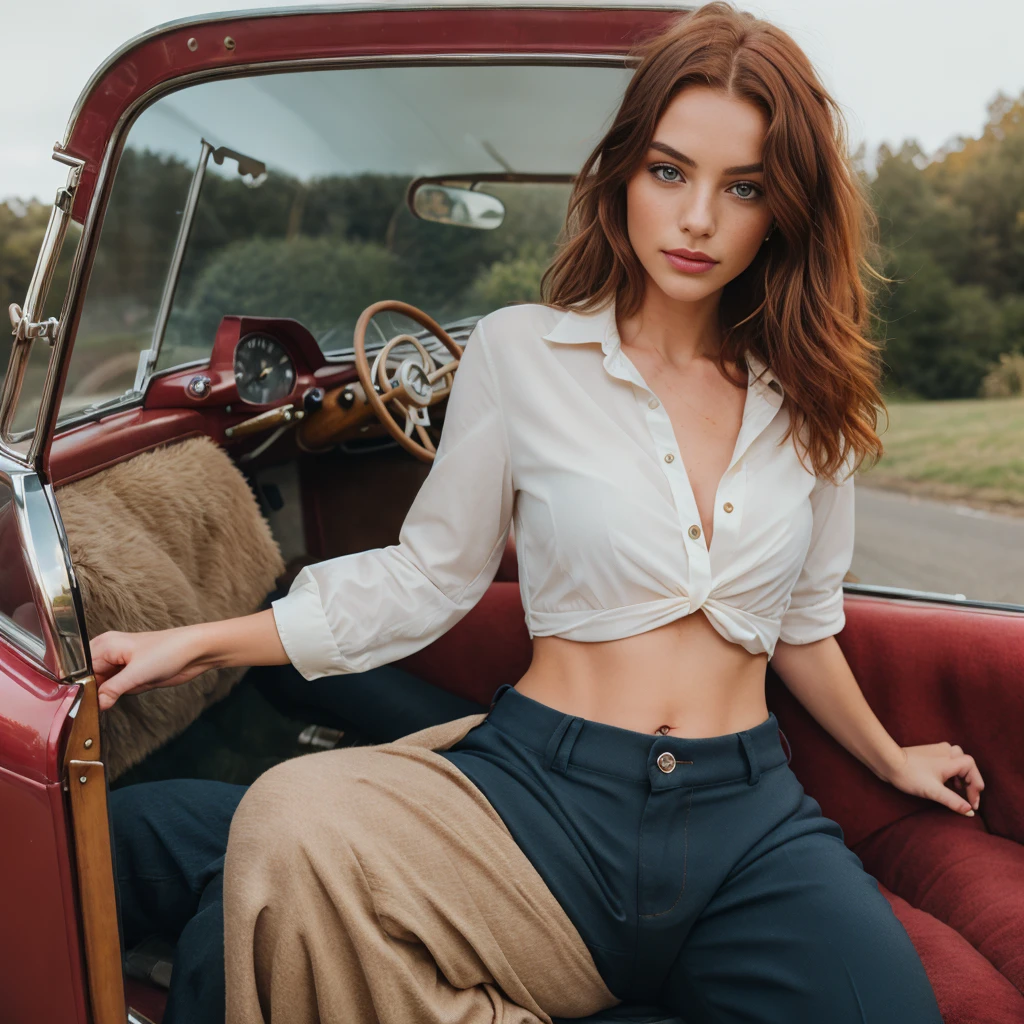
[[277, 232]]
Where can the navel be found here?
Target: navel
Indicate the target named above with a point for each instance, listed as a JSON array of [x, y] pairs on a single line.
[[663, 730]]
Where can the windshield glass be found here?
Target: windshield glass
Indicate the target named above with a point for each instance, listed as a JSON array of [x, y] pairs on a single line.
[[327, 230]]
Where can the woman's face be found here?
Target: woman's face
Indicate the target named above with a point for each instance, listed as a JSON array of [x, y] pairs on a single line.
[[699, 188]]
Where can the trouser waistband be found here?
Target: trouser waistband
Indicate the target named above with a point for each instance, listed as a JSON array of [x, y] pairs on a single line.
[[665, 761]]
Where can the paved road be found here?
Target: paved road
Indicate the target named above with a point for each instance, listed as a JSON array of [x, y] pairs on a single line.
[[905, 541]]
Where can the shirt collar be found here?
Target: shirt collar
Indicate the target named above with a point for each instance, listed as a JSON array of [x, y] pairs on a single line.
[[575, 328]]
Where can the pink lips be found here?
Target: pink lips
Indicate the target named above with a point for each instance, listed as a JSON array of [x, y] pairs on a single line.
[[690, 266]]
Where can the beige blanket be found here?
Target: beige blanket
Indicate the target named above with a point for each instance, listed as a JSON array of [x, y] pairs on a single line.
[[377, 885], [170, 537]]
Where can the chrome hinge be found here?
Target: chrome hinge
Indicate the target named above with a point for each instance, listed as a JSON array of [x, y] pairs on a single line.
[[24, 329]]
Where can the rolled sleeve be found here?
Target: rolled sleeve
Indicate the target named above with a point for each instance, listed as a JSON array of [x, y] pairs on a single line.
[[365, 609], [303, 628], [815, 609]]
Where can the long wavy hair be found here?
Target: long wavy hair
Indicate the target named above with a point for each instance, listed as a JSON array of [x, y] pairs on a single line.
[[801, 306]]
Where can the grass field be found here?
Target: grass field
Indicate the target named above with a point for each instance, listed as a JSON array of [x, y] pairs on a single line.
[[969, 450]]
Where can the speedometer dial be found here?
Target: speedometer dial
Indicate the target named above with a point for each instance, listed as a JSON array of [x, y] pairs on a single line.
[[264, 372]]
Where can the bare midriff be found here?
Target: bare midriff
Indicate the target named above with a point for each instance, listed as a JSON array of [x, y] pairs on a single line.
[[681, 679]]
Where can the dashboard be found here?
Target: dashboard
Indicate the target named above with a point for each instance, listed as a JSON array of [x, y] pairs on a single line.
[[260, 367], [256, 364]]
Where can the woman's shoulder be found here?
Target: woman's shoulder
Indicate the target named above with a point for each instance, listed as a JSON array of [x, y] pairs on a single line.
[[519, 324]]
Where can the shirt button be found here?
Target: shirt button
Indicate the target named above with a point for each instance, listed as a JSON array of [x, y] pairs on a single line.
[[653, 404], [667, 762], [694, 531], [669, 457], [727, 506]]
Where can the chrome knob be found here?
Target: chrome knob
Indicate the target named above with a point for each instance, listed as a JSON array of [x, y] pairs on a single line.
[[199, 386]]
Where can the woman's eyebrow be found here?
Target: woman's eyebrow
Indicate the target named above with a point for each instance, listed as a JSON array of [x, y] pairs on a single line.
[[664, 147]]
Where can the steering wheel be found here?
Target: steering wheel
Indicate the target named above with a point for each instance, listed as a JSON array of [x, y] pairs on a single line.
[[413, 392]]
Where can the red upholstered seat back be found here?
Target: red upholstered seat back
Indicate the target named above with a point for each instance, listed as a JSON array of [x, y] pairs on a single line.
[[930, 672]]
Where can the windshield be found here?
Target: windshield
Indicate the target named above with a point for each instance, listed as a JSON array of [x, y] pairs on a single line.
[[327, 230]]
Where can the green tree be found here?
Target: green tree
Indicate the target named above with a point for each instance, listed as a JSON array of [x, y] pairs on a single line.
[[322, 282]]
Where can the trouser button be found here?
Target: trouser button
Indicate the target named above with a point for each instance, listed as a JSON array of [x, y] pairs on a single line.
[[666, 762]]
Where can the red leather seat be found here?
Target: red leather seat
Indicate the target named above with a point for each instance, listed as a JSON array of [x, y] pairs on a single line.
[[930, 672]]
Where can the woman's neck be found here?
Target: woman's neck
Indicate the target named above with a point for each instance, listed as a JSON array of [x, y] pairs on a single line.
[[679, 332]]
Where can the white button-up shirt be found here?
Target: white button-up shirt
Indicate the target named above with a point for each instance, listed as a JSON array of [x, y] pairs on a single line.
[[550, 425]]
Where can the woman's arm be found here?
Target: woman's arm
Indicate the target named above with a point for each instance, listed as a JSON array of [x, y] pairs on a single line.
[[819, 676], [367, 608], [124, 662], [809, 660]]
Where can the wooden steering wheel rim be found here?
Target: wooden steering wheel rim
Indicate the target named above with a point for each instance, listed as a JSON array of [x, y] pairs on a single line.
[[379, 403]]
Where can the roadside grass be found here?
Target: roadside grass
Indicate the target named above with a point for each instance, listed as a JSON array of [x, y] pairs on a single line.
[[969, 450]]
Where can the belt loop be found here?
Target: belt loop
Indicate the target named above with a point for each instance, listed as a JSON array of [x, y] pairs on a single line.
[[498, 694], [755, 768], [556, 756]]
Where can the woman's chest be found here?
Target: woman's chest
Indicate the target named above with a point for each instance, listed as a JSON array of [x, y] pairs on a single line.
[[610, 475], [705, 424]]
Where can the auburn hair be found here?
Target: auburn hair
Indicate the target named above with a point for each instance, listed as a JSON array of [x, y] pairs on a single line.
[[801, 306]]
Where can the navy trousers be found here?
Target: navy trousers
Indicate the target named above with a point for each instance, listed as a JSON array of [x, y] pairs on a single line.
[[699, 873], [169, 843]]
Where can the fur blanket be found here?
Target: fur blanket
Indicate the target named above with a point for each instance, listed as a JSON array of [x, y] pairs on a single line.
[[170, 537]]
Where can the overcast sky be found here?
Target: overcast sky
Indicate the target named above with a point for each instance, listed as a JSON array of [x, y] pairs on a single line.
[[899, 68]]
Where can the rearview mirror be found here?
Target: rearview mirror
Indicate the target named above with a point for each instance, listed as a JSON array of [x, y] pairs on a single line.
[[462, 207]]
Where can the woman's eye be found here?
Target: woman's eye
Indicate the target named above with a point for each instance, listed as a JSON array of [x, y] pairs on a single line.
[[665, 167], [749, 185]]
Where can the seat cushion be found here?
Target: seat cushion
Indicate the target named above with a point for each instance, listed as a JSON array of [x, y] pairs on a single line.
[[968, 989], [170, 537], [956, 871]]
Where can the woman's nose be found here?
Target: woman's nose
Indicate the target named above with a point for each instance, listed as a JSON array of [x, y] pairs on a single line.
[[696, 215]]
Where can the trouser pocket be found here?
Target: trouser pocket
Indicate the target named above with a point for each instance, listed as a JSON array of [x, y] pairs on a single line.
[[663, 849]]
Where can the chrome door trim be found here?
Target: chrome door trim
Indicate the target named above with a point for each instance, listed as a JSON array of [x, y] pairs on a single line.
[[929, 597], [61, 652], [357, 6], [28, 330], [148, 358]]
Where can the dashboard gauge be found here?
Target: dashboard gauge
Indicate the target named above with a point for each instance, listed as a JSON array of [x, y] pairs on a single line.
[[264, 372]]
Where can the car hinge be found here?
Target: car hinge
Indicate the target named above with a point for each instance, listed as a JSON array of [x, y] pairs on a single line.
[[24, 328]]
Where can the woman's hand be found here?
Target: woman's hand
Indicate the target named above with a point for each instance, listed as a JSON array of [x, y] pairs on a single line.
[[926, 768], [135, 662]]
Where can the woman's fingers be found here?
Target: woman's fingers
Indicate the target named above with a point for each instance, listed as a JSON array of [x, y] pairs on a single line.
[[134, 662], [123, 682], [108, 655], [958, 769], [965, 768], [119, 666], [963, 772]]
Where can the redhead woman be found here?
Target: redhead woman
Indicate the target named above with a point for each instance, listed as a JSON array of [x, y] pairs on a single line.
[[673, 433]]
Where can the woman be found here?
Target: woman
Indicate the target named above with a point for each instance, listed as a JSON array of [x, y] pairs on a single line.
[[623, 824]]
